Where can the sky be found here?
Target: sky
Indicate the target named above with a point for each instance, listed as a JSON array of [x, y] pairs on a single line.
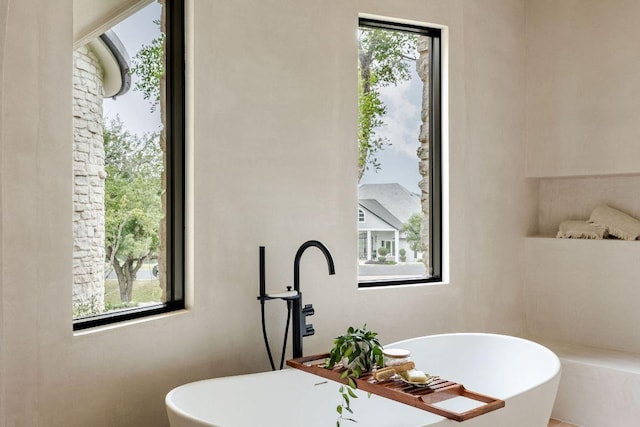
[[134, 111], [399, 161]]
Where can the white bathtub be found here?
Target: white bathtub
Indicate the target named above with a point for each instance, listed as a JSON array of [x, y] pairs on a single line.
[[522, 373]]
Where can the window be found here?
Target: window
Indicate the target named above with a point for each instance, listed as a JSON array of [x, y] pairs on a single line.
[[361, 215], [399, 154], [128, 193]]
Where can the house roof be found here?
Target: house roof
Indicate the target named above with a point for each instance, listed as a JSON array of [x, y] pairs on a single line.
[[394, 198], [381, 212]]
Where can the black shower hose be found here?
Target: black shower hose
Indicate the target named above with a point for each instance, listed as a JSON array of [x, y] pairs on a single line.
[[284, 341]]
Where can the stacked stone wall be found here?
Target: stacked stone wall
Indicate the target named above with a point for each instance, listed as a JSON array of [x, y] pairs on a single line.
[[89, 184], [422, 68]]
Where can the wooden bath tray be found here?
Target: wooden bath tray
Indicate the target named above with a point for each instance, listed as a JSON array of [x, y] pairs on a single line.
[[422, 397]]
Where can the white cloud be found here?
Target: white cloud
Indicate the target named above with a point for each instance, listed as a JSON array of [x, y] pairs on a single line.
[[402, 121], [399, 162]]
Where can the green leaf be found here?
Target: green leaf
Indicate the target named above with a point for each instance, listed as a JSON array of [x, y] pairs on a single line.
[[362, 350], [352, 383], [348, 352], [357, 371]]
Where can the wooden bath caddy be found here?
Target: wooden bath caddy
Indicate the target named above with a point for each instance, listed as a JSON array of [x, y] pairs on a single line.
[[422, 397]]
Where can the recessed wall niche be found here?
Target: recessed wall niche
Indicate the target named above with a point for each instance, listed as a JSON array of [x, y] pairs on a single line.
[[564, 198]]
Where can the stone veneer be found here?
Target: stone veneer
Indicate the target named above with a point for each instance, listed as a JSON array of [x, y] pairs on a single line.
[[422, 68], [89, 184]]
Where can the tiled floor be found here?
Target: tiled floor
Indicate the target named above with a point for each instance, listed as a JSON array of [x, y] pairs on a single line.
[[556, 423]]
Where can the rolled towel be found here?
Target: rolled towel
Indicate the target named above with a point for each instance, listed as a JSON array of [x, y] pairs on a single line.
[[617, 223], [581, 230]]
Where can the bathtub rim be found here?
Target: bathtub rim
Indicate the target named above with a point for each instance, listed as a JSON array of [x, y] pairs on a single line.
[[189, 417], [557, 371]]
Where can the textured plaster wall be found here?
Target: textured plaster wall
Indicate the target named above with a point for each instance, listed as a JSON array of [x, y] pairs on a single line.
[[583, 98], [273, 113], [583, 87], [91, 18]]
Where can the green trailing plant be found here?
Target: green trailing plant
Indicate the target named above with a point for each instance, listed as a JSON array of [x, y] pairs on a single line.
[[359, 351], [347, 392]]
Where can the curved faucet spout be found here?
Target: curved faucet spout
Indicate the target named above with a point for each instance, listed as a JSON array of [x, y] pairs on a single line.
[[296, 262], [300, 328]]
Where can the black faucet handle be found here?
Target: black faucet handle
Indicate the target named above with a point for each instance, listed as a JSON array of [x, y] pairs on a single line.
[[308, 330], [308, 310]]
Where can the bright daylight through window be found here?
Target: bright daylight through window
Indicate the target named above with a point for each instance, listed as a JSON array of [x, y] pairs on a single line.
[[399, 194], [128, 157]]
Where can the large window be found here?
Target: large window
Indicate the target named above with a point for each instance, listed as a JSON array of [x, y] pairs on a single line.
[[399, 188], [128, 193]]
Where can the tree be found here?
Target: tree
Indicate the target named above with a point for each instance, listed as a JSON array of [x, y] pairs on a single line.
[[412, 232], [148, 65], [132, 201], [149, 68], [383, 60]]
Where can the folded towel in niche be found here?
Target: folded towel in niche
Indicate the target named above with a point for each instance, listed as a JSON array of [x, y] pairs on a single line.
[[580, 230], [617, 223]]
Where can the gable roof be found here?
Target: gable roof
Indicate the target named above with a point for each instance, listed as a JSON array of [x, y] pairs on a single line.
[[394, 198], [378, 210]]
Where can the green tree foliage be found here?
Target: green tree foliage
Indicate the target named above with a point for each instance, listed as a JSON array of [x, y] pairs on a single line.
[[412, 232], [384, 58], [148, 66], [132, 201]]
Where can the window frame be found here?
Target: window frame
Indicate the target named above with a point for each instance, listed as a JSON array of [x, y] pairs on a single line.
[[435, 148], [174, 177]]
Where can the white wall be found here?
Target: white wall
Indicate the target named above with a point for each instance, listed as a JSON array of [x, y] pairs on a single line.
[[274, 84], [583, 98], [583, 87]]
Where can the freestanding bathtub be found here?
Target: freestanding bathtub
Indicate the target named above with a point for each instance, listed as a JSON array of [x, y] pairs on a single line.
[[522, 373]]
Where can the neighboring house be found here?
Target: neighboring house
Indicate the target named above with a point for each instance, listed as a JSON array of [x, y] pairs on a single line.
[[383, 209]]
